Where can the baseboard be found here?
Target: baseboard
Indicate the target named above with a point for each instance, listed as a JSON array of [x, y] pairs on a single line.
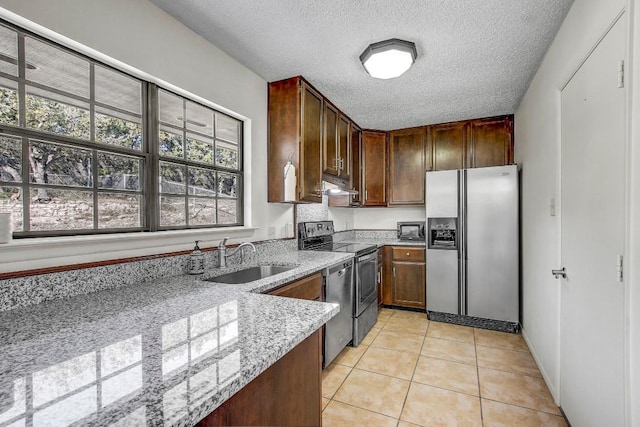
[[552, 389]]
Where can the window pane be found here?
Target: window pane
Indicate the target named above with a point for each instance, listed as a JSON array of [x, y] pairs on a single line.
[[57, 114], [118, 90], [199, 149], [118, 172], [227, 185], [227, 155], [60, 165], [10, 159], [228, 211], [56, 68], [11, 201], [8, 102], [227, 128], [199, 118], [118, 210], [172, 211], [61, 209], [171, 108], [8, 51], [118, 129], [171, 144], [172, 178], [202, 182], [202, 211]]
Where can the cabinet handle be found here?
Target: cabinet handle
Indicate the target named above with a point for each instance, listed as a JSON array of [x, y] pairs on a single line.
[[379, 280], [366, 195], [407, 253], [394, 272]]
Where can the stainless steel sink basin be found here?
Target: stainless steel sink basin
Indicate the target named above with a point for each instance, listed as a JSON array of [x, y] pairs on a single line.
[[250, 274]]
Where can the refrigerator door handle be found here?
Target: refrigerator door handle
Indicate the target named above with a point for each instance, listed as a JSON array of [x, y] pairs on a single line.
[[463, 242]]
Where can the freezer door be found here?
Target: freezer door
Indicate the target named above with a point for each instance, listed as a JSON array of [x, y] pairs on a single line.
[[491, 237], [442, 278]]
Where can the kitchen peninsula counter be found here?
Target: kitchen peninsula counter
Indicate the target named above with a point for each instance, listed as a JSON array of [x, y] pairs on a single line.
[[165, 352]]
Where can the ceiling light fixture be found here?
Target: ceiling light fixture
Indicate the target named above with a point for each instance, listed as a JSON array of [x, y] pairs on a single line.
[[389, 58]]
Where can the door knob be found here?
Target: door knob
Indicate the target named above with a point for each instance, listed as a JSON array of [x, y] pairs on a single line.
[[562, 273]]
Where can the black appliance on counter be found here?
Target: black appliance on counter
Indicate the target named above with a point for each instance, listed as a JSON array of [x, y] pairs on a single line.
[[411, 230], [318, 236]]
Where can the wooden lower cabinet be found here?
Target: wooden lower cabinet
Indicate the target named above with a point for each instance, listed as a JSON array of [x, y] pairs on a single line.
[[287, 394], [405, 284]]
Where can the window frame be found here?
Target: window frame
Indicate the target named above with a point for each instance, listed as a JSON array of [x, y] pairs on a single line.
[[148, 155]]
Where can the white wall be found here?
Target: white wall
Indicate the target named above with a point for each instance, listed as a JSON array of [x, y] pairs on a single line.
[[537, 128], [143, 36], [386, 218]]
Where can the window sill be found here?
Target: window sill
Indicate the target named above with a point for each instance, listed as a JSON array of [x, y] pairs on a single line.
[[29, 254]]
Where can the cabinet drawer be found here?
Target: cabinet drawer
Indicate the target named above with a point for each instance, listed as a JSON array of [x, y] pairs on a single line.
[[309, 288], [403, 253]]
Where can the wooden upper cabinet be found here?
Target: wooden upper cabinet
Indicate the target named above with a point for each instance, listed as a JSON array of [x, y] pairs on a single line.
[[374, 167], [356, 170], [330, 141], [295, 132], [448, 145], [344, 148], [490, 142], [407, 166]]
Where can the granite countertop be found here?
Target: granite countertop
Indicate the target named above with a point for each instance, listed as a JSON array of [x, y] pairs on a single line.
[[166, 352]]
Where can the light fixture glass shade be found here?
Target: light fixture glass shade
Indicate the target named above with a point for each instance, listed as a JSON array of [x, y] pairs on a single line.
[[389, 58]]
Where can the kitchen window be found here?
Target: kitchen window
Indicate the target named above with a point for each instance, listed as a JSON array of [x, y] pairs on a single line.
[[86, 148]]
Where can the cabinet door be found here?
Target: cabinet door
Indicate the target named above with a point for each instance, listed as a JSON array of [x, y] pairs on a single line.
[[490, 142], [387, 276], [356, 170], [310, 173], [374, 164], [407, 166], [344, 148], [330, 141], [448, 144], [409, 284]]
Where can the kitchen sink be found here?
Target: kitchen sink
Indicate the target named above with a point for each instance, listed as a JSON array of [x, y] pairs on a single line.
[[250, 274]]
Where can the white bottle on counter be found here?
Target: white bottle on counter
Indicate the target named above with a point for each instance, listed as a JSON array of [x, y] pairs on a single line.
[[289, 182]]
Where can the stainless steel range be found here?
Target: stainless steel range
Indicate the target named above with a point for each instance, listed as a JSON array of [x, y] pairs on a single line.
[[318, 236]]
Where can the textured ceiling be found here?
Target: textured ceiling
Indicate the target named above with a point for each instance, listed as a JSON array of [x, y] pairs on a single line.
[[475, 57]]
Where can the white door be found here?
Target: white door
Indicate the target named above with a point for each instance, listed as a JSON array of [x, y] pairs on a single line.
[[593, 197]]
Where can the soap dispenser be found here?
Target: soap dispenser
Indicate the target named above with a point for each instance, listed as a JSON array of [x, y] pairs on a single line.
[[196, 260]]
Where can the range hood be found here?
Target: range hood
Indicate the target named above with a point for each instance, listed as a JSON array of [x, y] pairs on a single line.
[[333, 189]]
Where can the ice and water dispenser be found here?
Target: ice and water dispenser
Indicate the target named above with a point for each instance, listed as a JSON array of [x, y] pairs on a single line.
[[442, 233]]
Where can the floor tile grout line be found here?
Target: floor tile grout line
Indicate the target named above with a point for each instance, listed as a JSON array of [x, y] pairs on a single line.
[[523, 407], [414, 373], [364, 409], [475, 349], [515, 373]]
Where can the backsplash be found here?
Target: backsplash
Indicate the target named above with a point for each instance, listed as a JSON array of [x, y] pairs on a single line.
[[313, 211], [376, 234], [25, 291]]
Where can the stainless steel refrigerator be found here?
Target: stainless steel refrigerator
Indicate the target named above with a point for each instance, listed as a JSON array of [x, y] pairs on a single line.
[[472, 247]]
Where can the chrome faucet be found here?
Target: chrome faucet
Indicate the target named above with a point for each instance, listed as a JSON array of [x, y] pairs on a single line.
[[223, 255]]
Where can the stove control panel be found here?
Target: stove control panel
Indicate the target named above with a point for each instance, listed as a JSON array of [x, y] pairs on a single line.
[[313, 229]]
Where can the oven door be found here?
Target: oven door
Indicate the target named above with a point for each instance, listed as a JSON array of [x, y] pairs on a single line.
[[366, 281]]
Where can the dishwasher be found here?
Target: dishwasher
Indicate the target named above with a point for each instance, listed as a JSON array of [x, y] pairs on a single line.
[[338, 289]]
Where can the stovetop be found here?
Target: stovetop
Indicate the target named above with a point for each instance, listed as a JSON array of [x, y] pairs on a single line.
[[318, 236]]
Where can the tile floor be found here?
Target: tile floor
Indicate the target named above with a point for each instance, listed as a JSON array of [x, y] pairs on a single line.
[[412, 372]]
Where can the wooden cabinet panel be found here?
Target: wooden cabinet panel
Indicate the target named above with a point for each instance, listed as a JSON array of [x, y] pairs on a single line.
[[330, 141], [409, 284], [387, 277], [407, 166], [344, 149], [448, 145], [295, 132], [403, 253], [309, 288], [490, 142], [310, 177], [374, 167], [287, 394]]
